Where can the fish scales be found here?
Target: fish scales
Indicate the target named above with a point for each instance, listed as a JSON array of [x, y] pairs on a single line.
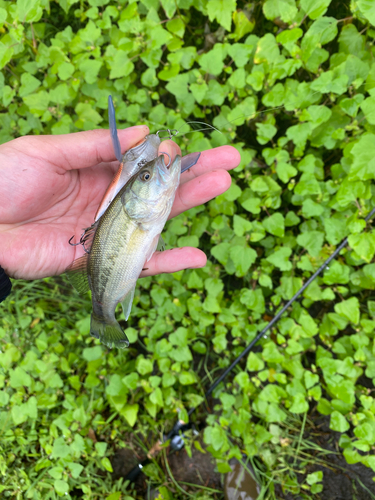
[[123, 239]]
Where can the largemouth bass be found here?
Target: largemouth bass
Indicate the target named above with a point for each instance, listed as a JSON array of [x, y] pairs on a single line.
[[124, 238]]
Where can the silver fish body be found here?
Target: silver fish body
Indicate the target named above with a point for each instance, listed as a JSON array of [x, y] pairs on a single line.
[[126, 236]]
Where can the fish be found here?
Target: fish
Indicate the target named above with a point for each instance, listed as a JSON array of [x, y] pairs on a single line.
[[133, 159], [124, 238], [130, 163]]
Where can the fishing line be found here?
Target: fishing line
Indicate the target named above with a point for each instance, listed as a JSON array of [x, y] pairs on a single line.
[[176, 132], [176, 434]]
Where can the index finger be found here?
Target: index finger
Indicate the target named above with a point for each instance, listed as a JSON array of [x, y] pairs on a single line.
[[221, 158]]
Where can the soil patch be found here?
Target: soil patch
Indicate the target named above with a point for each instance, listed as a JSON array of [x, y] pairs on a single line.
[[341, 481]]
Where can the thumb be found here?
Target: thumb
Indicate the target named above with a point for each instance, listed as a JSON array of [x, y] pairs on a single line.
[[85, 149]]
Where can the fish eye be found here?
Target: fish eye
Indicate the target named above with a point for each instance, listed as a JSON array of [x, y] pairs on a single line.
[[145, 176]]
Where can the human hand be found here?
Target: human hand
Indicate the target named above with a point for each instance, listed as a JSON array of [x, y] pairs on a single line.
[[51, 186]]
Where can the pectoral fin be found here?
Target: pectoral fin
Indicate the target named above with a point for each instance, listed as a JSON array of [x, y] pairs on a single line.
[[157, 244], [77, 274], [127, 302], [161, 244]]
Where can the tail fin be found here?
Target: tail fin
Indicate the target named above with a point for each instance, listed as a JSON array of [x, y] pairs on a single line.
[[110, 334]]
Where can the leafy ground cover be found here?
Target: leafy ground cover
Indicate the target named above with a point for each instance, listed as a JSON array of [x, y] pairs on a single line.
[[292, 85]]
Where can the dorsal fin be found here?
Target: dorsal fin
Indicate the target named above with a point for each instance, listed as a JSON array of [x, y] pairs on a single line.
[[77, 274]]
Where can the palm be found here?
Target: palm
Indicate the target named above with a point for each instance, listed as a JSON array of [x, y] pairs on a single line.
[[51, 187]]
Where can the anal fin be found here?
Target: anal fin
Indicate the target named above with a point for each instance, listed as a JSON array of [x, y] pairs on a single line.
[[77, 274], [127, 302]]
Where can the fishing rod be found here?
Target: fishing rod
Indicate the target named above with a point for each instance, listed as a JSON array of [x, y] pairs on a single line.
[[176, 434]]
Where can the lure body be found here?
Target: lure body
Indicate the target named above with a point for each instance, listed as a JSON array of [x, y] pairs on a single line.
[[130, 163]]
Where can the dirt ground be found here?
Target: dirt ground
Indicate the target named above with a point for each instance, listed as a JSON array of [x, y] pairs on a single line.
[[341, 481]]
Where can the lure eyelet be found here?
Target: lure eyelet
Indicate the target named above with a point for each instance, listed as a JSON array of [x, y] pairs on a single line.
[[171, 133]]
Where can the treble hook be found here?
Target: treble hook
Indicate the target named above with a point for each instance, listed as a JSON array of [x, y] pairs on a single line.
[[82, 241], [74, 244], [171, 132], [169, 156]]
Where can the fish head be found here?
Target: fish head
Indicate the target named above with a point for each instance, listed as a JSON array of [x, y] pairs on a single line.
[[145, 151], [151, 191]]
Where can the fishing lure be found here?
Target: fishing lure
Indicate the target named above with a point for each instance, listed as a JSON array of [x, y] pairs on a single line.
[[130, 163]]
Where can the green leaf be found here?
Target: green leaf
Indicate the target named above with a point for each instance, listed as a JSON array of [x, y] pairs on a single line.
[[90, 68], [286, 10], [222, 11], [363, 153], [315, 8], [176, 26], [310, 379], [336, 273], [156, 397], [338, 422], [60, 448], [275, 224], [367, 8], [271, 354], [19, 378], [169, 6], [92, 353], [254, 300], [121, 65], [221, 252], [242, 24], [254, 363], [312, 241], [29, 10], [144, 366], [29, 84], [106, 464], [363, 245], [349, 309], [243, 258], [61, 487], [187, 378], [314, 477], [213, 61], [4, 398], [300, 405], [265, 132], [280, 258], [130, 412], [241, 225], [267, 50]]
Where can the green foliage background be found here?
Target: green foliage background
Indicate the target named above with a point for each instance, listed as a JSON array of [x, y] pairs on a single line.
[[291, 84]]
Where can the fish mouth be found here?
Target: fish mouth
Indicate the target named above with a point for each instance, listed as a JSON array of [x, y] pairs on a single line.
[[161, 154], [168, 172]]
